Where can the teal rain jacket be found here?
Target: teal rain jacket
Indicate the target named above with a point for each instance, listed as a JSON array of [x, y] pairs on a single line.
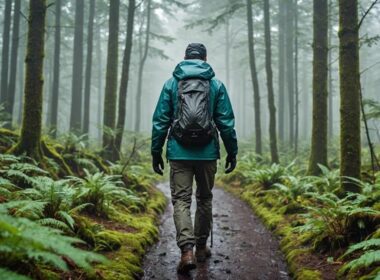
[[221, 109]]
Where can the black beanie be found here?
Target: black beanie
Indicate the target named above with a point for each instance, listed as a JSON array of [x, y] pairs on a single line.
[[196, 51]]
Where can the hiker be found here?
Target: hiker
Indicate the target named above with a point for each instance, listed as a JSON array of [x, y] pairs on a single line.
[[192, 108]]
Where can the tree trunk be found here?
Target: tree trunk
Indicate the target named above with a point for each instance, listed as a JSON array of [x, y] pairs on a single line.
[[125, 76], [77, 79], [56, 67], [111, 78], [290, 67], [13, 66], [87, 85], [141, 69], [5, 52], [271, 102], [255, 82], [281, 71], [330, 83], [100, 83], [296, 91], [350, 156], [20, 79], [320, 51], [30, 138]]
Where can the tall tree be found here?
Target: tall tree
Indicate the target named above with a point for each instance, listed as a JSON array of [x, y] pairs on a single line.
[[330, 69], [100, 81], [296, 91], [268, 66], [125, 75], [111, 77], [290, 65], [350, 157], [255, 81], [77, 78], [5, 51], [141, 68], [281, 70], [56, 67], [13, 66], [87, 85], [30, 138], [320, 72]]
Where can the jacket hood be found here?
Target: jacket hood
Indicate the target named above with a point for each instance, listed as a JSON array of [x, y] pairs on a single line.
[[193, 68]]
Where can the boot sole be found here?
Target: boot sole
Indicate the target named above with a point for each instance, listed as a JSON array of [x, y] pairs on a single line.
[[183, 269]]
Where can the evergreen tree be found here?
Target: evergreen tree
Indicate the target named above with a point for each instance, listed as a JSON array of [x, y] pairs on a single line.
[[255, 82], [87, 86], [5, 51], [320, 73], [13, 66], [350, 157], [30, 138], [125, 75], [56, 67], [77, 78], [271, 102], [111, 78]]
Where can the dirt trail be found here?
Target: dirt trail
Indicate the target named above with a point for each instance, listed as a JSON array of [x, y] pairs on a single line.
[[243, 247]]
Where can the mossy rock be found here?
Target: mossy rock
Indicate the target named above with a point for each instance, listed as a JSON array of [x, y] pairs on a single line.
[[108, 240]]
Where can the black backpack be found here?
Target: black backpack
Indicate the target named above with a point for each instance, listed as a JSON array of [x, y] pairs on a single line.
[[193, 124]]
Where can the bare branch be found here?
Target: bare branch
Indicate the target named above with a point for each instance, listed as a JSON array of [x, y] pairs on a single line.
[[367, 12]]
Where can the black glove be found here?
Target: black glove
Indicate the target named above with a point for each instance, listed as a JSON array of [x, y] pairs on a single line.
[[230, 164], [158, 164]]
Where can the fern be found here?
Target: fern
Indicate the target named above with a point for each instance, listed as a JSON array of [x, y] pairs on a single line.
[[22, 239], [330, 219], [103, 191], [369, 258], [364, 245]]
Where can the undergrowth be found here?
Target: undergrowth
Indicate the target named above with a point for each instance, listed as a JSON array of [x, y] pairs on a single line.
[[312, 217]]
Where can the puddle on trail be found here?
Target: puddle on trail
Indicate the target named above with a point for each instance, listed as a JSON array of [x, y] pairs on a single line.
[[243, 247]]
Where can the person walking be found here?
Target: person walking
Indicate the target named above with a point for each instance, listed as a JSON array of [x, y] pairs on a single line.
[[192, 108]]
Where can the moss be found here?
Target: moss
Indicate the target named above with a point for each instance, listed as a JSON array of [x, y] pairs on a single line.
[[308, 274], [125, 263], [51, 152], [108, 240]]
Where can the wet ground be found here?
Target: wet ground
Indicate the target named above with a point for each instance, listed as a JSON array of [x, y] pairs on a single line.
[[243, 247]]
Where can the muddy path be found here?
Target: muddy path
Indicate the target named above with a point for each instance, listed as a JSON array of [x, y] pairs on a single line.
[[243, 247]]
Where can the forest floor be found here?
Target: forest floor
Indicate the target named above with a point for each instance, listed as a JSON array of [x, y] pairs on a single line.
[[243, 248]]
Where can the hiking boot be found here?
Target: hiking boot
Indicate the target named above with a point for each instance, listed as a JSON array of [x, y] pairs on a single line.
[[202, 253], [187, 262]]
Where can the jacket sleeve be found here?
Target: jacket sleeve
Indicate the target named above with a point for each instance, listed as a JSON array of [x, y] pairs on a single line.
[[225, 121], [162, 119]]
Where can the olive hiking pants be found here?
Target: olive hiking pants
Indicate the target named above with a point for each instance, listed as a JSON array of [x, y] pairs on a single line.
[[182, 173]]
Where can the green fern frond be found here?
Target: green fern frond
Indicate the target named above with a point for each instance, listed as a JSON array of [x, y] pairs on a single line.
[[368, 259], [364, 245], [53, 223]]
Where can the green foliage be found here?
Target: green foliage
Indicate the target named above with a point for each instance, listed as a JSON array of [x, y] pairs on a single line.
[[370, 256], [22, 239], [269, 176], [10, 275], [331, 222], [103, 192], [15, 170]]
